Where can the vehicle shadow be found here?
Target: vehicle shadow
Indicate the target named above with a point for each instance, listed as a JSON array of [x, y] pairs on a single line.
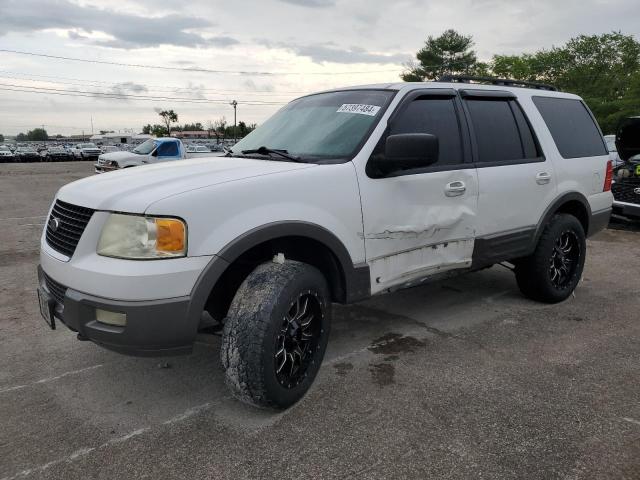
[[625, 224], [145, 392]]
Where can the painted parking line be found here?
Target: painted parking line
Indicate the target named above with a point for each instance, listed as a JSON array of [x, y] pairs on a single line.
[[22, 218], [82, 452], [631, 420], [50, 379]]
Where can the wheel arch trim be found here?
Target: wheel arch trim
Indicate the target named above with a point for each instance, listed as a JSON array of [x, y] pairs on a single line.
[[357, 280], [555, 206]]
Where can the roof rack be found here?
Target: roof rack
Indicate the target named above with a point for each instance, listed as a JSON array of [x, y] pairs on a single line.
[[497, 81]]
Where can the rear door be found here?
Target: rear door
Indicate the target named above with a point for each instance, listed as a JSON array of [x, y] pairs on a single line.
[[422, 221], [516, 182]]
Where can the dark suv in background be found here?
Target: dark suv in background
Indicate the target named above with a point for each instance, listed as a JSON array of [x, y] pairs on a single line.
[[626, 186]]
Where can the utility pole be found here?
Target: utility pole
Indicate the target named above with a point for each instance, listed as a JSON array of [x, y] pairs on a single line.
[[91, 124], [234, 104]]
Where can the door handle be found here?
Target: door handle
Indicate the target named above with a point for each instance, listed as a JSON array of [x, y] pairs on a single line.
[[455, 189], [543, 178]]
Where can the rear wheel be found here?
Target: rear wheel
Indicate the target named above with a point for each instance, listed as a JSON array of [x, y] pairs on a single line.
[[276, 333], [554, 269]]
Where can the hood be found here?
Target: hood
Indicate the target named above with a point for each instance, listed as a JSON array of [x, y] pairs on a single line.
[[134, 189], [121, 156], [628, 138]]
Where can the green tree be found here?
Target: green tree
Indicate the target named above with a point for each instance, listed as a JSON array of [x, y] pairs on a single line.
[[197, 126], [159, 130], [147, 129], [449, 54], [168, 117], [21, 137], [1, 138], [37, 134], [602, 69]]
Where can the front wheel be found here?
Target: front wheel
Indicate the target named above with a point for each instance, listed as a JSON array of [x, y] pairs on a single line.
[[554, 269], [276, 333]]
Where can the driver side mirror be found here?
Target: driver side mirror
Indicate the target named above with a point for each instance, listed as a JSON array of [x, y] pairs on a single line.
[[406, 151]]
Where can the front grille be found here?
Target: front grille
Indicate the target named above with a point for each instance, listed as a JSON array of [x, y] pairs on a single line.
[[71, 222], [623, 190], [56, 290]]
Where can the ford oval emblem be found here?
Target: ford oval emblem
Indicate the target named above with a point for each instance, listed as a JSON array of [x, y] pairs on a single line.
[[54, 223]]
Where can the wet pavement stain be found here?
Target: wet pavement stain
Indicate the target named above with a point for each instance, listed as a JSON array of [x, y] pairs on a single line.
[[343, 368], [383, 374], [394, 343]]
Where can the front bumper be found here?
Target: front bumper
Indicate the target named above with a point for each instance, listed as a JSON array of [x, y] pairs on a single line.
[[153, 327], [630, 210]]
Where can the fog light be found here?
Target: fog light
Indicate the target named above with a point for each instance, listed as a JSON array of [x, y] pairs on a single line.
[[111, 318]]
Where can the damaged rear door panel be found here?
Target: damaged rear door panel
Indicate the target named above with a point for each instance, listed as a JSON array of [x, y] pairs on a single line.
[[422, 221]]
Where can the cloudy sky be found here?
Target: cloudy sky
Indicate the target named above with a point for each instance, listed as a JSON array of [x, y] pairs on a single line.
[[261, 53]]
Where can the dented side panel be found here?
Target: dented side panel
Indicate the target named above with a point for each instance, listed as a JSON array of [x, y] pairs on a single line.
[[412, 229]]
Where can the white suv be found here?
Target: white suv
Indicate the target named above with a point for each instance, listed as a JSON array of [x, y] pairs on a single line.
[[339, 196]]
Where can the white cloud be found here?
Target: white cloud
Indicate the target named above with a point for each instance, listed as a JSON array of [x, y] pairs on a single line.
[[301, 36]]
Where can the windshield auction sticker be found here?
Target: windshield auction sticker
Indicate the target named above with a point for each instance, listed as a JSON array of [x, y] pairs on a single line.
[[359, 108]]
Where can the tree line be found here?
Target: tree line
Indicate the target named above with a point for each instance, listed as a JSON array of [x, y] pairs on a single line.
[[603, 69], [216, 128], [35, 135]]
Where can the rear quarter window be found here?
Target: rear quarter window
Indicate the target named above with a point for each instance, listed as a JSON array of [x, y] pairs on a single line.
[[572, 127]]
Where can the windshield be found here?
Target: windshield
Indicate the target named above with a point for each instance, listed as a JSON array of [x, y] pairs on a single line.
[[327, 125], [87, 145], [145, 148]]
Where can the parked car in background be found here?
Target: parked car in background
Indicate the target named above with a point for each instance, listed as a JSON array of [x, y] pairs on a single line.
[[198, 149], [26, 154], [613, 150], [58, 154], [86, 151], [626, 186], [6, 155], [154, 150]]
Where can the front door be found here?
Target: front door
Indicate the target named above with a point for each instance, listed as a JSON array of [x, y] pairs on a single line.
[[421, 222]]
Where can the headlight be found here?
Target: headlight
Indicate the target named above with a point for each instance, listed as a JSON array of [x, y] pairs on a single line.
[[143, 238]]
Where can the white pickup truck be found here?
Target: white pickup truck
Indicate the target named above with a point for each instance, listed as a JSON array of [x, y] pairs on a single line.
[[154, 150]]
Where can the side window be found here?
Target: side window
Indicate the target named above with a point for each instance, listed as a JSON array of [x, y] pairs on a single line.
[[437, 116], [168, 149], [572, 127], [502, 132]]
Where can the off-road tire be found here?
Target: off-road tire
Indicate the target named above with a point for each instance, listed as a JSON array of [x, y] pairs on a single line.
[[533, 272], [254, 326]]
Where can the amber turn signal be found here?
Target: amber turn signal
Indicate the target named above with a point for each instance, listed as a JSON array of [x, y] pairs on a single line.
[[170, 235]]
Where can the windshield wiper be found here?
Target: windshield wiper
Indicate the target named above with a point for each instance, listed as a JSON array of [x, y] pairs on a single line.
[[273, 151]]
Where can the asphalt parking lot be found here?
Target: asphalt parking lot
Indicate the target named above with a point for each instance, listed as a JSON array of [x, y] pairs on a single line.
[[457, 379]]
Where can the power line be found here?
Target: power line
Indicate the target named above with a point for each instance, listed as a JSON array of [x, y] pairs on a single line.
[[125, 96], [190, 69], [122, 97], [146, 88]]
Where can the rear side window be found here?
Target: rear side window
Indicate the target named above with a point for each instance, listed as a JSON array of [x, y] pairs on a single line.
[[436, 116], [168, 149], [502, 132], [572, 127]]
